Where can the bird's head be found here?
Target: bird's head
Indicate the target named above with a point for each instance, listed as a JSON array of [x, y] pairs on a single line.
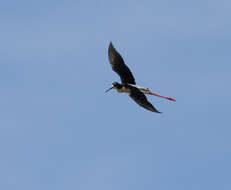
[[115, 85]]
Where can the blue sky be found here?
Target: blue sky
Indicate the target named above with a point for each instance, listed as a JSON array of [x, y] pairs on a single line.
[[58, 130]]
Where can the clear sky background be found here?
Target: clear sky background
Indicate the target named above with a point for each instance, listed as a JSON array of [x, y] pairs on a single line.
[[58, 130]]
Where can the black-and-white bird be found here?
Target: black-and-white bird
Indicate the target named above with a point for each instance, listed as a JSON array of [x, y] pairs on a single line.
[[128, 84]]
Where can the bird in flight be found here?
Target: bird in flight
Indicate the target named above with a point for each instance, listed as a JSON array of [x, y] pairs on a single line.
[[128, 84]]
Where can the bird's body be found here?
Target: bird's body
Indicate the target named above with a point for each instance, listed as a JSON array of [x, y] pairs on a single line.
[[125, 89], [128, 84]]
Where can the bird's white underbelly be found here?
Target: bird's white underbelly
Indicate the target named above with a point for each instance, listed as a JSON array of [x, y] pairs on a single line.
[[123, 90]]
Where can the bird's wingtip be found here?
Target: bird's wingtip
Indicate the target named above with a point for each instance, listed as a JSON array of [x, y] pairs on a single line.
[[111, 47], [111, 44], [156, 111]]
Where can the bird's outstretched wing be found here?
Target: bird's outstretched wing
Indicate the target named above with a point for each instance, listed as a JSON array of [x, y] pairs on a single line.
[[141, 99], [118, 65]]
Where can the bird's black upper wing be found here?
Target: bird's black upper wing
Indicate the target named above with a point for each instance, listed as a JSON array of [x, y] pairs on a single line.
[[118, 65], [141, 99]]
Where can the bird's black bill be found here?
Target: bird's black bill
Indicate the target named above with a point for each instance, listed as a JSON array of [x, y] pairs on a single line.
[[109, 89]]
